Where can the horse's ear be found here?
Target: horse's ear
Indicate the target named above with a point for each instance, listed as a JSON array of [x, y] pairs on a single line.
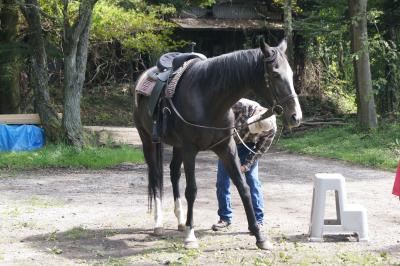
[[283, 45], [265, 49]]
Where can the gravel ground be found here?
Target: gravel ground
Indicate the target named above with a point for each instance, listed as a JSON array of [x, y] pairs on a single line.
[[84, 217]]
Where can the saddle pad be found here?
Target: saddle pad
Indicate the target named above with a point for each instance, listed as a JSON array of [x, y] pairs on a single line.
[[145, 85]]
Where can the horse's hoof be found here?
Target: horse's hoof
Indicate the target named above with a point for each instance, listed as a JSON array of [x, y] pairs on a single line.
[[264, 245], [181, 227], [191, 245], [159, 231]]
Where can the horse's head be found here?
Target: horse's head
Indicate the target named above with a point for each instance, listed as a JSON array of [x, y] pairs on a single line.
[[279, 80]]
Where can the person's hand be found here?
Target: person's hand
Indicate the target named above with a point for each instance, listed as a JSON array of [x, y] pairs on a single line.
[[242, 169]]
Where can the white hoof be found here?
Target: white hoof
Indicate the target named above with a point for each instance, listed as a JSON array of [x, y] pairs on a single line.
[[159, 231], [191, 245], [181, 227]]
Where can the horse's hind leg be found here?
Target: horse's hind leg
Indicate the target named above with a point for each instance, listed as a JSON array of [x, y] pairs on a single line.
[[153, 156], [229, 157], [175, 169], [189, 156]]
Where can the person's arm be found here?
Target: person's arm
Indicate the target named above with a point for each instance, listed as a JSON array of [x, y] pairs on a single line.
[[262, 146]]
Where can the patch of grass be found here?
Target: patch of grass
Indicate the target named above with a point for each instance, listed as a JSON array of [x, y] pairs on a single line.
[[379, 148], [52, 236], [112, 262], [66, 156], [41, 203], [55, 250], [76, 233], [366, 259], [15, 212], [263, 262], [28, 224], [284, 257]]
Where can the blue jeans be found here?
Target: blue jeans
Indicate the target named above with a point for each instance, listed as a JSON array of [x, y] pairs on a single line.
[[224, 195]]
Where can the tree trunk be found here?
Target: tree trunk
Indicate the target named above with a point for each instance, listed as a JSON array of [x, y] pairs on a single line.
[[75, 44], [287, 14], [388, 96], [10, 65], [365, 100], [39, 73]]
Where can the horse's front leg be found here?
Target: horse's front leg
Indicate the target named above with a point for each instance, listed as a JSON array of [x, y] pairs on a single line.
[[228, 154], [175, 170], [189, 157]]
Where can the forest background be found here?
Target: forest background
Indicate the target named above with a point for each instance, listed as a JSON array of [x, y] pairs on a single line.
[[44, 46]]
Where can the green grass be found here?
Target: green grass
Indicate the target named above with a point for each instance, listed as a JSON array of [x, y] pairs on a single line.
[[66, 156], [76, 233], [379, 148]]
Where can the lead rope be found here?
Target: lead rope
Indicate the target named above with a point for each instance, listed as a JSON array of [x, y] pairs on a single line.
[[244, 144], [252, 151]]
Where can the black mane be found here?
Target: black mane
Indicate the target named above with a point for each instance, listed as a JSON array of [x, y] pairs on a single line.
[[232, 70]]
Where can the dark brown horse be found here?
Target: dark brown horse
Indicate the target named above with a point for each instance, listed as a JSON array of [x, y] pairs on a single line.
[[204, 96]]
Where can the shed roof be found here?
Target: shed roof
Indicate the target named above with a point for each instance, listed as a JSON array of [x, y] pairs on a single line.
[[226, 24]]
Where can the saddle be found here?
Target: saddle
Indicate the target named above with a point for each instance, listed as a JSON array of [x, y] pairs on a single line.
[[175, 60], [167, 66]]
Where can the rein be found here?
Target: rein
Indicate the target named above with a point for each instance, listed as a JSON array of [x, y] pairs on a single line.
[[275, 110]]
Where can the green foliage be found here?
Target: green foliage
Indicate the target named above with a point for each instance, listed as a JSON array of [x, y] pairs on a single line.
[[66, 156], [385, 62], [133, 28], [325, 26], [108, 106], [295, 7], [126, 36], [380, 148]]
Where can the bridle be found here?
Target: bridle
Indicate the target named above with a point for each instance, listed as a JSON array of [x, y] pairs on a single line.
[[270, 60]]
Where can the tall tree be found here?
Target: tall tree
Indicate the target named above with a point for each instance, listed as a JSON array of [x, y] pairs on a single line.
[[287, 14], [365, 97], [39, 76], [75, 48], [9, 58], [388, 95]]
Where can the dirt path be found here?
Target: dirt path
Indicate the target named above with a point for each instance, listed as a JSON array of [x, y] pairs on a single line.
[[70, 217]]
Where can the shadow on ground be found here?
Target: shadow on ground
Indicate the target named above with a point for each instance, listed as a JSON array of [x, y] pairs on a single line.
[[93, 245], [304, 238]]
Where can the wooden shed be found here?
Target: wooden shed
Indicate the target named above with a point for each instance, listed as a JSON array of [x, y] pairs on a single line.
[[229, 25]]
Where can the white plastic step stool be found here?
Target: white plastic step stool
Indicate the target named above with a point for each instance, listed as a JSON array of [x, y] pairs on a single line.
[[351, 218]]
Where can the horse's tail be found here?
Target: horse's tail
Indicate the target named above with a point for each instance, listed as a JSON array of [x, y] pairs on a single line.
[[156, 180]]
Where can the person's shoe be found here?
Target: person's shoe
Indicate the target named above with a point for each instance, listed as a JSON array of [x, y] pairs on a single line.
[[221, 225]]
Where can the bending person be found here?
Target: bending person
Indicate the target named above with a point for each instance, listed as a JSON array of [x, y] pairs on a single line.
[[258, 137]]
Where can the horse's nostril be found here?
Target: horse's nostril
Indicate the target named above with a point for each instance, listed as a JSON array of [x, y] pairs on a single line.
[[294, 118]]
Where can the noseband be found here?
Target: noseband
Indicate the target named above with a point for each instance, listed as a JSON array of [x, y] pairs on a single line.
[[270, 60]]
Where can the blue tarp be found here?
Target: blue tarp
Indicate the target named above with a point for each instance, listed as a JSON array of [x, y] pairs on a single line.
[[21, 137]]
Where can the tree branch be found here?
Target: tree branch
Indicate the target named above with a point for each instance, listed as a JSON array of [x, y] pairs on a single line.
[[85, 12]]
